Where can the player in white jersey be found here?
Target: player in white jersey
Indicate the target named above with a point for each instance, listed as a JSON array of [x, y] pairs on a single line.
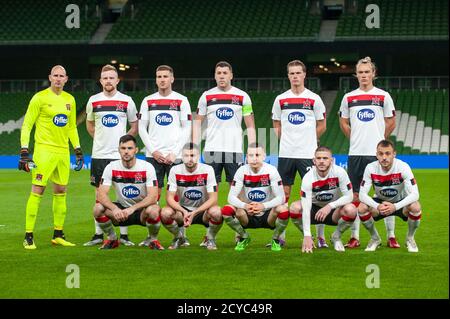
[[164, 127], [224, 106], [367, 116], [299, 119], [136, 187], [396, 194], [327, 196], [192, 198], [256, 199], [107, 114]]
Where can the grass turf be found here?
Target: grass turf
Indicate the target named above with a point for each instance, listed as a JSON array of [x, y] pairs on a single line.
[[193, 272]]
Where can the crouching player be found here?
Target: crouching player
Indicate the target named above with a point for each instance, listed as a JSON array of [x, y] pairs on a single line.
[[136, 187], [326, 196], [261, 205], [195, 186], [396, 194]]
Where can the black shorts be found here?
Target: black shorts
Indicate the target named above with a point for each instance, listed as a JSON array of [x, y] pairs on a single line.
[[288, 167], [97, 167], [328, 220], [398, 212], [259, 221], [356, 167], [198, 219], [162, 170], [224, 160], [133, 219]]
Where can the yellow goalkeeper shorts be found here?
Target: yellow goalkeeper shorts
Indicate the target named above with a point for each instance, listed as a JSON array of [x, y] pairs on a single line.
[[50, 165]]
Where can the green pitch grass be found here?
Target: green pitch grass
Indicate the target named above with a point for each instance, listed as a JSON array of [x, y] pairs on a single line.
[[193, 272]]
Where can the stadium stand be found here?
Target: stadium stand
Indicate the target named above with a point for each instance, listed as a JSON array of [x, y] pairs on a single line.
[[232, 20], [44, 21], [398, 20]]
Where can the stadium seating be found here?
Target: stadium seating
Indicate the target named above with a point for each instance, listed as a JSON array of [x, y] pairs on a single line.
[[43, 21], [421, 118], [211, 21], [398, 19]]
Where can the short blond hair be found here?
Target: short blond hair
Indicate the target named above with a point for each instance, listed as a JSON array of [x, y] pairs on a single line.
[[164, 68], [296, 63], [109, 67]]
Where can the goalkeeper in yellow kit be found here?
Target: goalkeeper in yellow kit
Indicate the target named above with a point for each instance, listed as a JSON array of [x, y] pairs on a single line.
[[53, 111]]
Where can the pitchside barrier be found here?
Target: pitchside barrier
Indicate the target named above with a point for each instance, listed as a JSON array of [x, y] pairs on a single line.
[[415, 161]]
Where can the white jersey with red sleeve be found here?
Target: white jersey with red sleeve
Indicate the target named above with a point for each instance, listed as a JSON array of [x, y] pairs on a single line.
[[397, 185], [110, 115], [224, 111], [165, 123], [130, 184], [192, 188], [264, 187], [298, 115], [366, 111]]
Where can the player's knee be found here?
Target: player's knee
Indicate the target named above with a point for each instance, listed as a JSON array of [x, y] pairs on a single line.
[[228, 211], [296, 207], [215, 213], [98, 210], [240, 213], [362, 209], [415, 207], [152, 211], [281, 208], [167, 213], [350, 211]]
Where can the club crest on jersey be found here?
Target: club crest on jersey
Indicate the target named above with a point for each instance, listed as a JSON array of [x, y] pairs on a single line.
[[264, 181], [60, 120], [138, 178], [376, 100], [193, 194], [257, 196], [173, 105], [224, 113], [396, 180], [332, 183], [365, 115], [110, 120], [164, 119], [39, 177], [389, 192], [68, 107], [296, 118], [235, 100], [130, 192], [307, 103], [200, 181], [324, 197], [120, 107]]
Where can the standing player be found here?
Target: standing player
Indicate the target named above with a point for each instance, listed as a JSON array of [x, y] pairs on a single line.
[[54, 113], [135, 183], [195, 185], [367, 116], [106, 121], [256, 199], [224, 106], [396, 194], [164, 127], [326, 198], [298, 120]]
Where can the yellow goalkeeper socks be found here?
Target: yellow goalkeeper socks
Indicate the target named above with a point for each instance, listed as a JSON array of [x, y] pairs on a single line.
[[59, 210], [31, 211]]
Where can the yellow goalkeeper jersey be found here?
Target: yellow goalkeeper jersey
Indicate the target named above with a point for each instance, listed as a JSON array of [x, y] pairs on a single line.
[[55, 119]]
